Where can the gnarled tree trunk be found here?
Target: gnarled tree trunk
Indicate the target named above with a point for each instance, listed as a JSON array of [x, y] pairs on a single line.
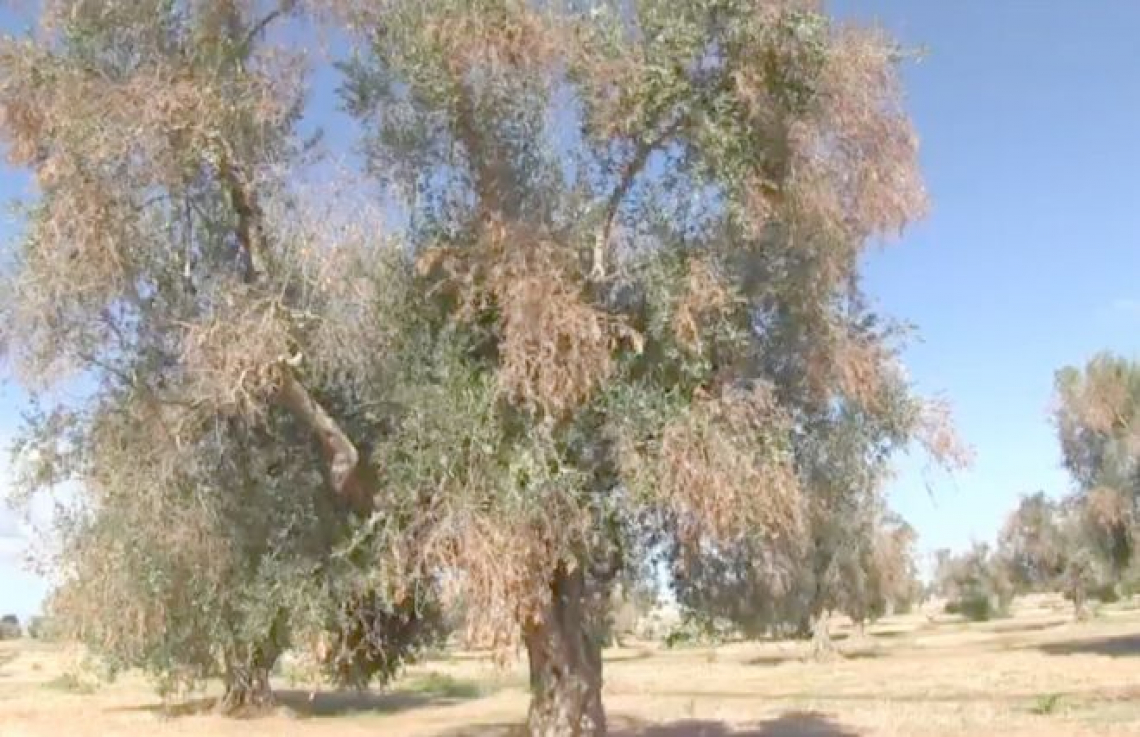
[[247, 688], [565, 665]]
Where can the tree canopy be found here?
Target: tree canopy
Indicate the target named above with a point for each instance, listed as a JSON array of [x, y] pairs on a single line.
[[624, 311]]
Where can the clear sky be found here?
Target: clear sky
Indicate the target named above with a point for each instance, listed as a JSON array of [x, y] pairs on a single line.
[[1028, 112]]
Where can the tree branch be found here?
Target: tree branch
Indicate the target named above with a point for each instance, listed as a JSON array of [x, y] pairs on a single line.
[[257, 28], [250, 224], [349, 475], [487, 182], [629, 174]]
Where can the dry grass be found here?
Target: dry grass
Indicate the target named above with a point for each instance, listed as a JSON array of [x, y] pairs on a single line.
[[1035, 675]]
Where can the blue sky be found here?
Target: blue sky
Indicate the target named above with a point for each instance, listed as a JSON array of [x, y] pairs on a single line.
[[1028, 112]]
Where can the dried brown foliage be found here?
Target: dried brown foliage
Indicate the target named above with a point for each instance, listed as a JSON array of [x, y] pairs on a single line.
[[111, 153], [857, 367], [937, 435], [136, 467], [233, 358], [705, 298], [722, 468], [498, 564], [855, 160], [1099, 400], [510, 35], [1108, 508], [555, 346]]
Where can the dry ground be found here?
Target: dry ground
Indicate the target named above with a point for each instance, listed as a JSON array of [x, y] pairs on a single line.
[[1036, 675]]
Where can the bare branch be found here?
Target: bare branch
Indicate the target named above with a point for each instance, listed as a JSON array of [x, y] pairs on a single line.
[[349, 476], [629, 174], [283, 9]]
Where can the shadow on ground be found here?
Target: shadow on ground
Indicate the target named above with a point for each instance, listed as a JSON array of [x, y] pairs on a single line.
[[303, 705], [792, 724], [776, 658], [629, 655], [340, 703], [773, 659], [1013, 627], [1118, 646]]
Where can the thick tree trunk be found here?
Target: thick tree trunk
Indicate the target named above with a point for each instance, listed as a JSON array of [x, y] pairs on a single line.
[[247, 691], [1080, 607], [247, 687], [565, 665], [822, 648]]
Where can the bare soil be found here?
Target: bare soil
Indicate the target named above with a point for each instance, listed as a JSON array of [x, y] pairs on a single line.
[[1036, 675]]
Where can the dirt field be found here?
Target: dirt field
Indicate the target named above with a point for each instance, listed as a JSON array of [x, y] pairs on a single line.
[[1036, 675]]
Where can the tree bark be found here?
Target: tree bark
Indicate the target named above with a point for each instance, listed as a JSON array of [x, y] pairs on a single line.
[[822, 648], [349, 475], [803, 628], [247, 687], [1080, 608], [565, 665]]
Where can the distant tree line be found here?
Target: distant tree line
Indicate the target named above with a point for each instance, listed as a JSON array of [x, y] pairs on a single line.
[[1082, 543]]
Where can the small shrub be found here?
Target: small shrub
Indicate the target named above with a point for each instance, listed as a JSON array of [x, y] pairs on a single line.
[[70, 683], [444, 686], [42, 628], [693, 632], [678, 637], [1107, 593], [1046, 704], [10, 627], [979, 608]]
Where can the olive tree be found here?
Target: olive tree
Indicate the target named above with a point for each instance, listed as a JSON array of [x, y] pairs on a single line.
[[626, 289], [1097, 415], [639, 228], [1034, 542], [172, 267], [975, 583]]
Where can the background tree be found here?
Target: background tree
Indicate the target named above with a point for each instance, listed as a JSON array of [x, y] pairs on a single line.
[[849, 556], [975, 583], [1098, 426], [1034, 542], [10, 627], [765, 589], [895, 585]]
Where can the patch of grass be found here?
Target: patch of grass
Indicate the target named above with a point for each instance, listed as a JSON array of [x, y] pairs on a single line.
[[1046, 704], [69, 683], [443, 685]]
